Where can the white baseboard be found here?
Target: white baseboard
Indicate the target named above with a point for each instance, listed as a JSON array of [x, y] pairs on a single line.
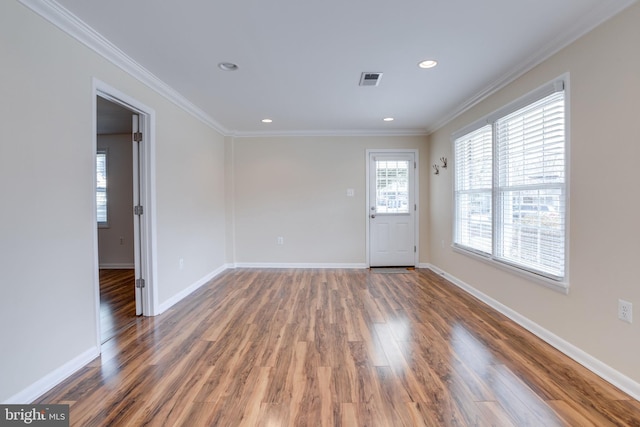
[[187, 291], [299, 265], [54, 378], [596, 366], [116, 266]]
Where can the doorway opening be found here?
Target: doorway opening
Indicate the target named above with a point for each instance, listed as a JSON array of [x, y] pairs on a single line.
[[114, 204], [124, 204]]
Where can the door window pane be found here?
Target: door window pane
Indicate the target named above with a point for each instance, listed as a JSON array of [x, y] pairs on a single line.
[[392, 186]]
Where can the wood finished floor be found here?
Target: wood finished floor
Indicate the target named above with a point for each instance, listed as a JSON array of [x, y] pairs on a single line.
[[117, 301], [335, 348]]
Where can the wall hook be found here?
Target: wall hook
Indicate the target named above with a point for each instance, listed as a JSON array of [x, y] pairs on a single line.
[[444, 162], [436, 169]]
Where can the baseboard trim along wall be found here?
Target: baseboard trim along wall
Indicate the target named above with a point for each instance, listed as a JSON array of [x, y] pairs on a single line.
[[189, 290], [116, 266], [54, 378], [596, 366]]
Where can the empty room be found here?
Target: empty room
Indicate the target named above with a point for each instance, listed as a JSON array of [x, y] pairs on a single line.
[[338, 213]]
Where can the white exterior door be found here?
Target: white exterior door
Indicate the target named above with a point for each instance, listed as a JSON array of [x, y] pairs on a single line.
[[392, 209]]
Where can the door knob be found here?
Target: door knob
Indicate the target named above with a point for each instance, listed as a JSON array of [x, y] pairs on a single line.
[[373, 216]]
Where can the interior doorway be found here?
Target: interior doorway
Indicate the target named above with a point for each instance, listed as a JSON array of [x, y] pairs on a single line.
[[114, 202], [124, 262]]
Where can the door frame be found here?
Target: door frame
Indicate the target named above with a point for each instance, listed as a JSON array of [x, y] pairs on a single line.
[[147, 180], [388, 151]]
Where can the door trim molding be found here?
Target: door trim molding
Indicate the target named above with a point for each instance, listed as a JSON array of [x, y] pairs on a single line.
[[416, 190], [148, 198]]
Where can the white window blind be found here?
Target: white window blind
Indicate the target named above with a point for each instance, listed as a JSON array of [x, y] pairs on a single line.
[[510, 185], [101, 187], [530, 189], [473, 188]]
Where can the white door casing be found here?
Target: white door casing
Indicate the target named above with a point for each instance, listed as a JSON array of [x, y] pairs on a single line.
[[392, 208]]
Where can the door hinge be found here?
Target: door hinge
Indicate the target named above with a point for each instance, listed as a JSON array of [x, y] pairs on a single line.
[[415, 207], [137, 136], [137, 210], [139, 283], [415, 165], [415, 249]]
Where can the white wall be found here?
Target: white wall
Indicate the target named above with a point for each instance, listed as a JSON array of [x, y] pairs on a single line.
[[191, 202], [295, 187], [604, 102], [47, 304], [115, 242]]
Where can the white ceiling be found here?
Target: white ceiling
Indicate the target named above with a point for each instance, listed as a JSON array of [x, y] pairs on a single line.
[[300, 61]]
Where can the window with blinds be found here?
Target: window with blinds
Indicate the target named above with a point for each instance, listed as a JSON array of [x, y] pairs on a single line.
[[510, 185], [473, 188], [101, 187], [530, 167]]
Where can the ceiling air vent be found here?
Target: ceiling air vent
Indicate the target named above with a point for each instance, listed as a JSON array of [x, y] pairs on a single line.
[[370, 79]]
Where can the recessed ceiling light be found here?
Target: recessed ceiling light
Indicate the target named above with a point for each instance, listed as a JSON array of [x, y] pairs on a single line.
[[267, 121], [428, 63], [388, 119], [227, 66]]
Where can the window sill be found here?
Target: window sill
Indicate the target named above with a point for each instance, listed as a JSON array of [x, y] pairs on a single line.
[[558, 286]]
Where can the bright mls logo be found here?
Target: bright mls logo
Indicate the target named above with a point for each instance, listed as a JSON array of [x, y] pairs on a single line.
[[34, 415]]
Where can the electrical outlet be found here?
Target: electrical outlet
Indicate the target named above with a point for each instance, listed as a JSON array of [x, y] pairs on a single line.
[[280, 240], [121, 240], [625, 311]]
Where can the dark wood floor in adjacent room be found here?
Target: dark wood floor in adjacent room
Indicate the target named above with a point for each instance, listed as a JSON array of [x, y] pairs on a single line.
[[117, 301], [335, 348]]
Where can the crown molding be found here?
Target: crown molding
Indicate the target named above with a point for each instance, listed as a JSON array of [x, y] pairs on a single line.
[[79, 30], [596, 17], [343, 132]]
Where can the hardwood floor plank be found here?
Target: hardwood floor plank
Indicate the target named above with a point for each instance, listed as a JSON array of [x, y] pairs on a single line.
[[525, 407], [569, 415], [493, 414], [349, 414], [165, 399], [251, 415], [329, 407], [395, 398], [290, 347]]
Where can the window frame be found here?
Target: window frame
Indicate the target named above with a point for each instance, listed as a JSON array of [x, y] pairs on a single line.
[[105, 153], [560, 283]]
